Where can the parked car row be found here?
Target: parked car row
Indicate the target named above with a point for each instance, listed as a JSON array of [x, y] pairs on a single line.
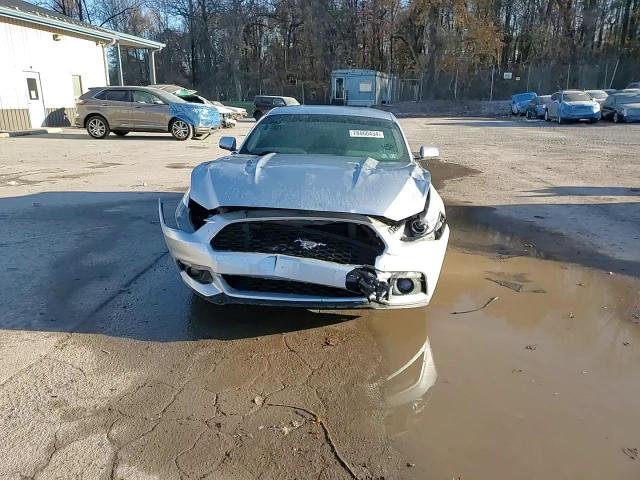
[[156, 108], [576, 105]]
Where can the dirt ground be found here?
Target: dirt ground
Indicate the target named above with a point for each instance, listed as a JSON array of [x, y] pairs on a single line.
[[111, 369]]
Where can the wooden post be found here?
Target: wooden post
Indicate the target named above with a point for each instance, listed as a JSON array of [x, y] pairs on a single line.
[[491, 91]]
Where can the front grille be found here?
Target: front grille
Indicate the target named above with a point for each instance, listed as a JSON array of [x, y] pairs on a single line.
[[339, 242], [267, 285]]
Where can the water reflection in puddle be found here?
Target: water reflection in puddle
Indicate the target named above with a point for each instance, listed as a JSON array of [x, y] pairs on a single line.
[[542, 383]]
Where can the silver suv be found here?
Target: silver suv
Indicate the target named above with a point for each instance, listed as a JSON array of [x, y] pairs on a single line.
[[139, 109]]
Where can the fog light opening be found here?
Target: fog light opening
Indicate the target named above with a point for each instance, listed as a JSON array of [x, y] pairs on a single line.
[[407, 283], [200, 276]]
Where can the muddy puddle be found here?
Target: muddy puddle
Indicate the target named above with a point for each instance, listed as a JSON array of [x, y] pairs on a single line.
[[544, 382]]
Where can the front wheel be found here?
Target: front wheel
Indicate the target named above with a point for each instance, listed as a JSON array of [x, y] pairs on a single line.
[[181, 130], [546, 116], [617, 118], [559, 119], [97, 127]]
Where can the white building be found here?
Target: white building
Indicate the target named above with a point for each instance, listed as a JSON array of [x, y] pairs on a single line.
[[47, 60]]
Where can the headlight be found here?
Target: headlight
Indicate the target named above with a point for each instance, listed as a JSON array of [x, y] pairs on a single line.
[[596, 107], [624, 112]]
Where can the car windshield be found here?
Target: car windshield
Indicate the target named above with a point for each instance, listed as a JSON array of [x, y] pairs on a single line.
[[575, 97], [309, 134], [597, 93], [521, 97]]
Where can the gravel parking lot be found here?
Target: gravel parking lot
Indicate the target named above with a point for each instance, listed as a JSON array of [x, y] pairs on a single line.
[[110, 368]]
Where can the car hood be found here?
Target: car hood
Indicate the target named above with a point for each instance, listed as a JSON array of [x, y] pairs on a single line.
[[322, 183]]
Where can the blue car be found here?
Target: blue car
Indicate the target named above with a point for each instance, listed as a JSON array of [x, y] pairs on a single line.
[[520, 102], [567, 105]]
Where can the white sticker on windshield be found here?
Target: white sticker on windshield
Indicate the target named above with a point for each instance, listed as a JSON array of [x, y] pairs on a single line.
[[366, 134]]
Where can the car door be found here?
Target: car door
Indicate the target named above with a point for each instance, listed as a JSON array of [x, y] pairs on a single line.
[[150, 112], [118, 107], [554, 104]]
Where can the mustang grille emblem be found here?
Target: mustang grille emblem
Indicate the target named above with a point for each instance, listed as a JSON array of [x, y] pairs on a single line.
[[308, 244]]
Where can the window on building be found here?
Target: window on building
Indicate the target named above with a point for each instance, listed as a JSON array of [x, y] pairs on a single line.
[[366, 86], [77, 85], [119, 95], [32, 85]]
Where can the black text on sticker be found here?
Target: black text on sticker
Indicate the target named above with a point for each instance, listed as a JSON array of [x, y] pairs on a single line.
[[366, 134]]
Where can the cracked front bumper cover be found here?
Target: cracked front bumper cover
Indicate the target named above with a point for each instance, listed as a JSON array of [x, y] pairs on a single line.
[[370, 286]]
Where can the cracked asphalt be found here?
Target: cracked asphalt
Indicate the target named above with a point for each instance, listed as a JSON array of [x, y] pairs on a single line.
[[111, 369]]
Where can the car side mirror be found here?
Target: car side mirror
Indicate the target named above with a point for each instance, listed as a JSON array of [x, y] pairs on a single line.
[[228, 143], [427, 153]]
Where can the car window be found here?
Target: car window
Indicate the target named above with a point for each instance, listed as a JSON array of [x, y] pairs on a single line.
[[140, 96], [628, 99], [521, 97], [555, 96], [278, 102], [119, 95], [102, 95], [342, 135], [576, 97]]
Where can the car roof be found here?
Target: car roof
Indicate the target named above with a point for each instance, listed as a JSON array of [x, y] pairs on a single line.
[[274, 96], [332, 110]]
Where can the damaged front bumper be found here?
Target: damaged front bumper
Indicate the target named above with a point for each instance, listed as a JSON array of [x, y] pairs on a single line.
[[214, 274]]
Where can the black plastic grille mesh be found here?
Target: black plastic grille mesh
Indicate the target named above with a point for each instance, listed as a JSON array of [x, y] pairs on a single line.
[[339, 242], [267, 285]]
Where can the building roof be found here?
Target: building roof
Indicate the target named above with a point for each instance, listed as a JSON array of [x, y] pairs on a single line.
[[28, 12]]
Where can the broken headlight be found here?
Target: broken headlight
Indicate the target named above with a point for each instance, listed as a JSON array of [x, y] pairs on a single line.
[[419, 227], [190, 215], [429, 223]]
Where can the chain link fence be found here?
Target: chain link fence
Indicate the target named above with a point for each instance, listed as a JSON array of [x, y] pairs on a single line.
[[457, 84], [499, 84]]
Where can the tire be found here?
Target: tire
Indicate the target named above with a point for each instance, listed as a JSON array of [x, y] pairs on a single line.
[[546, 116], [180, 129], [97, 127], [559, 119], [514, 110], [617, 118], [120, 133], [257, 115], [593, 120]]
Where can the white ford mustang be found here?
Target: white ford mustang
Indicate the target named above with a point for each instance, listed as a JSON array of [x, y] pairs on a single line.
[[321, 207]]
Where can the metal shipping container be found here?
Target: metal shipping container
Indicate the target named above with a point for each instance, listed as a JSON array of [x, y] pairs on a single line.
[[362, 88]]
